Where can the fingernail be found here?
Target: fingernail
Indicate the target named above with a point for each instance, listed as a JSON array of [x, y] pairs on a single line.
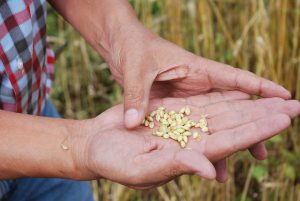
[[288, 93], [131, 118], [284, 91]]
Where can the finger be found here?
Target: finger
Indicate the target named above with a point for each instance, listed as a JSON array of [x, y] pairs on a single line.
[[191, 162], [290, 107], [226, 77], [259, 151], [173, 162], [249, 111], [136, 96], [226, 142], [221, 170]]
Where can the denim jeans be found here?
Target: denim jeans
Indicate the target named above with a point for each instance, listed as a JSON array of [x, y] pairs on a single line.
[[48, 189]]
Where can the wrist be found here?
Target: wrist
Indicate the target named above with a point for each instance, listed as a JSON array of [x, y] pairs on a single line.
[[119, 26], [87, 143], [79, 135]]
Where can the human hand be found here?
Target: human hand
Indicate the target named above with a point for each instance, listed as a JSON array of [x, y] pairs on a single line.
[[140, 160], [149, 66]]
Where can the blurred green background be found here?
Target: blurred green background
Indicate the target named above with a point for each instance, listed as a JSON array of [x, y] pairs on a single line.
[[262, 36]]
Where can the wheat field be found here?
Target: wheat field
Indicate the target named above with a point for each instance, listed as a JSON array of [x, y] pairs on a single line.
[[262, 36]]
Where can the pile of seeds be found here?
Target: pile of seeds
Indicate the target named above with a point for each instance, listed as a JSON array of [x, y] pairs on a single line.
[[176, 126]]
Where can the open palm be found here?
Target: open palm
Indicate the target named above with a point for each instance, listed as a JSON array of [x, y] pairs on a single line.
[[140, 160], [148, 66]]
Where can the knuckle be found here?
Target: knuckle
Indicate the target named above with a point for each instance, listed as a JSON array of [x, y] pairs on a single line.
[[134, 94]]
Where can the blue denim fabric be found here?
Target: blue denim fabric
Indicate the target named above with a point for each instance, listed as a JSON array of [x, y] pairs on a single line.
[[4, 187], [49, 189]]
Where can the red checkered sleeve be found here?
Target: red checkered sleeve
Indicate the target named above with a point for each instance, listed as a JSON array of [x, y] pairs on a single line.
[[26, 64]]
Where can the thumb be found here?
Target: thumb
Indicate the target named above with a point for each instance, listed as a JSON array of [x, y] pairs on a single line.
[[137, 86]]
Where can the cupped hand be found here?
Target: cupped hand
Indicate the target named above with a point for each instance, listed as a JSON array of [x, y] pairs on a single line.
[[140, 160], [149, 66]]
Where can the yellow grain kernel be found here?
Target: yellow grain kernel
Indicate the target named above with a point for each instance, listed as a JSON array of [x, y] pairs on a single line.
[[157, 117], [176, 132], [151, 124], [163, 128], [153, 114], [185, 139], [204, 129], [146, 123], [178, 116], [172, 112], [187, 127], [182, 110], [182, 144], [161, 108], [202, 120], [195, 134], [149, 118], [64, 147], [184, 119], [192, 123], [166, 136], [173, 124], [187, 110], [158, 133], [165, 122], [187, 133], [173, 136], [179, 122], [203, 123]]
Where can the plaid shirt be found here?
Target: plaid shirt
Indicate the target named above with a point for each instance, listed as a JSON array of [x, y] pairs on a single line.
[[26, 65]]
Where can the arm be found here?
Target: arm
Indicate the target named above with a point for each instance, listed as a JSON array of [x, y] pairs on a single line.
[[31, 146], [99, 22]]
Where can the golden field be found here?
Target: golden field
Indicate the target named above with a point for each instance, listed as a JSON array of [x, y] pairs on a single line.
[[262, 36]]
